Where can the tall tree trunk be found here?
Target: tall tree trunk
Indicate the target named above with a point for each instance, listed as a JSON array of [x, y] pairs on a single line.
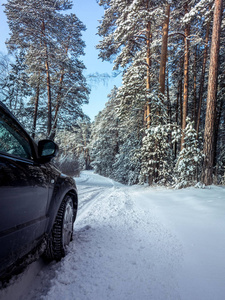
[[202, 80], [177, 117], [217, 124], [194, 106], [162, 77], [49, 98], [181, 103], [163, 58], [58, 104], [186, 79], [49, 126], [168, 100], [207, 174], [58, 101], [148, 80], [148, 83], [180, 93], [36, 106]]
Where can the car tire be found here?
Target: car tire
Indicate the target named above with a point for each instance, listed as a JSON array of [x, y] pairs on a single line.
[[62, 231]]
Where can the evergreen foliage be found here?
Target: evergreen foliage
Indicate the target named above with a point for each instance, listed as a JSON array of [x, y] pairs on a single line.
[[127, 163], [157, 156], [105, 138]]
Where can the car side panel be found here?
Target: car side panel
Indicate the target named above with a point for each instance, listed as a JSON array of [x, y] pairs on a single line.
[[12, 242], [23, 205]]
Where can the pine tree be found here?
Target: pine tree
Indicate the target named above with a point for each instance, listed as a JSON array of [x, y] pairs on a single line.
[[52, 43], [127, 163]]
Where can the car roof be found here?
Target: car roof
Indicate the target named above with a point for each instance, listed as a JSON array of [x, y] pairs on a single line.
[[7, 110]]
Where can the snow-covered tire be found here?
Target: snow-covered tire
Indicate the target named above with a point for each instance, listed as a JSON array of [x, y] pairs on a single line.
[[62, 231]]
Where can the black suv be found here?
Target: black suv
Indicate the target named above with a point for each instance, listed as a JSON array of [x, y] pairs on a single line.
[[38, 204]]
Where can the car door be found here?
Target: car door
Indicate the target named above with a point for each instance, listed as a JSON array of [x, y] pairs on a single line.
[[23, 192]]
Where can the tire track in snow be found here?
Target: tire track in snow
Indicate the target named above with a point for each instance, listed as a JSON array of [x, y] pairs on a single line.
[[119, 252]]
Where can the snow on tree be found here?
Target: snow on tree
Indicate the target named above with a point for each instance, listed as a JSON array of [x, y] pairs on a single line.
[[131, 98], [162, 48], [127, 165], [157, 155], [14, 86], [189, 161], [105, 138], [74, 148], [116, 140]]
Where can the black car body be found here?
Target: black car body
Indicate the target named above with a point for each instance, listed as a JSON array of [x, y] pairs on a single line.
[[38, 203]]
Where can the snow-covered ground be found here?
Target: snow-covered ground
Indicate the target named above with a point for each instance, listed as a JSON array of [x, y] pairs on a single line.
[[140, 243]]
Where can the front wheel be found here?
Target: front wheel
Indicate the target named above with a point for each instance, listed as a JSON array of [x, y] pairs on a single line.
[[62, 231]]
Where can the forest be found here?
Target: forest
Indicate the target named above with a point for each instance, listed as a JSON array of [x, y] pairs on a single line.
[[164, 125]]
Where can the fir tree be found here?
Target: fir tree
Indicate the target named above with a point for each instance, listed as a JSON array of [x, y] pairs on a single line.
[[190, 159], [157, 155]]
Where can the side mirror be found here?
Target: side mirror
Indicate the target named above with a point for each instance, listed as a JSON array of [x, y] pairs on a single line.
[[47, 149]]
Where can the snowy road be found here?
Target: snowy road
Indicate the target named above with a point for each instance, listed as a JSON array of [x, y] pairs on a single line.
[[140, 243]]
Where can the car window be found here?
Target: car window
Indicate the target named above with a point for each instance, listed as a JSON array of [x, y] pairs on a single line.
[[13, 140]]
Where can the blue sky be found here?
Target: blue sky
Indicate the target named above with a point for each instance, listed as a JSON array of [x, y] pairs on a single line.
[[89, 12]]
